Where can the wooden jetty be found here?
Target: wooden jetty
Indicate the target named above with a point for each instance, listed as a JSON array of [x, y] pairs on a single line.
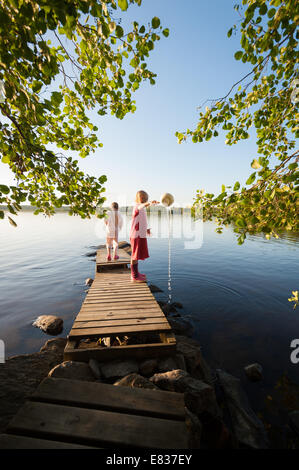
[[101, 260], [116, 307], [71, 414]]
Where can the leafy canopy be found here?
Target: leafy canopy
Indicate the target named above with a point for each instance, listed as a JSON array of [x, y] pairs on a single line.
[[60, 59], [265, 99]]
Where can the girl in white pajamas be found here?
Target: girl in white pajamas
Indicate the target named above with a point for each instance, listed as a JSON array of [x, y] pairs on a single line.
[[114, 223]]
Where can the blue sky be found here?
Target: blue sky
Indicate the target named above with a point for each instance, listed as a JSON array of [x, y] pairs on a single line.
[[194, 63]]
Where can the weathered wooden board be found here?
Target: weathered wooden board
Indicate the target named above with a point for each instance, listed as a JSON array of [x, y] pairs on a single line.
[[73, 352], [118, 330], [98, 427], [101, 258], [94, 395], [11, 441]]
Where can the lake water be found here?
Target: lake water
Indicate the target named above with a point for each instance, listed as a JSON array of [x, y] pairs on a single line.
[[235, 296]]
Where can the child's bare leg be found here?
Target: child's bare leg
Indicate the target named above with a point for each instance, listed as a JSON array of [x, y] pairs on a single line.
[[109, 245], [115, 243]]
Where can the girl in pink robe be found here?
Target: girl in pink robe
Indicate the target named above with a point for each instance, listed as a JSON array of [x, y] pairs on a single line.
[[138, 234]]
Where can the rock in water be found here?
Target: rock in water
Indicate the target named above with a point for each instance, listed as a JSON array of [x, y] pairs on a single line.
[[73, 370], [199, 396], [247, 428], [195, 363], [135, 381], [50, 324], [154, 288], [88, 281], [254, 372], [55, 344]]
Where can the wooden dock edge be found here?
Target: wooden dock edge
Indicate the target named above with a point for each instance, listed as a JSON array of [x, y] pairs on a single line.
[[167, 347]]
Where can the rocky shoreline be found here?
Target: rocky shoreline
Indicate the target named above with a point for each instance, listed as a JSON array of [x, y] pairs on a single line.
[[218, 414]]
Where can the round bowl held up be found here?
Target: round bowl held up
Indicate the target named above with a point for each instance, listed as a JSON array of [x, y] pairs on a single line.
[[167, 199]]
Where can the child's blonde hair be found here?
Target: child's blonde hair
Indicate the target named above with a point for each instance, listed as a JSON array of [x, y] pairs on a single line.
[[141, 197]]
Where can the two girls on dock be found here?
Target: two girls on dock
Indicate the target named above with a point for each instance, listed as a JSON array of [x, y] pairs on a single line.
[[138, 233]]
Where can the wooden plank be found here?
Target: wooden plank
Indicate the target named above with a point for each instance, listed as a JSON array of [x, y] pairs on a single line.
[[118, 306], [132, 351], [117, 309], [120, 295], [115, 316], [101, 258], [11, 441], [125, 329], [116, 322], [145, 303], [99, 427], [156, 403]]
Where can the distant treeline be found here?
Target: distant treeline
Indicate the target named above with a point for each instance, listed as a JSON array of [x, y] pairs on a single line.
[[126, 209]]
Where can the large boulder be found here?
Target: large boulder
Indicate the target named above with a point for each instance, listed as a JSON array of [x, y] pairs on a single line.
[[148, 367], [55, 344], [50, 324], [199, 396], [20, 376], [135, 381], [166, 364], [247, 428], [95, 368], [73, 370], [171, 363], [195, 363], [194, 429], [254, 372], [180, 326], [88, 281], [117, 369]]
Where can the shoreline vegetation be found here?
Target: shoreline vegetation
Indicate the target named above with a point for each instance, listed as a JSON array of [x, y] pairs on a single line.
[[126, 209]]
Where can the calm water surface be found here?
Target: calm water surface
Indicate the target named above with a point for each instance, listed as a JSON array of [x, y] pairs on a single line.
[[235, 296]]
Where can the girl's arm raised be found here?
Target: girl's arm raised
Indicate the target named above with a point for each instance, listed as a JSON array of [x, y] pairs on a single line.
[[146, 204]]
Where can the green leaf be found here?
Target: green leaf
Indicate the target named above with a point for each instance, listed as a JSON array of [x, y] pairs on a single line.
[[255, 164], [165, 32], [4, 189], [123, 4], [5, 159], [263, 9], [156, 22], [237, 186], [251, 178], [238, 55], [119, 31], [271, 12]]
